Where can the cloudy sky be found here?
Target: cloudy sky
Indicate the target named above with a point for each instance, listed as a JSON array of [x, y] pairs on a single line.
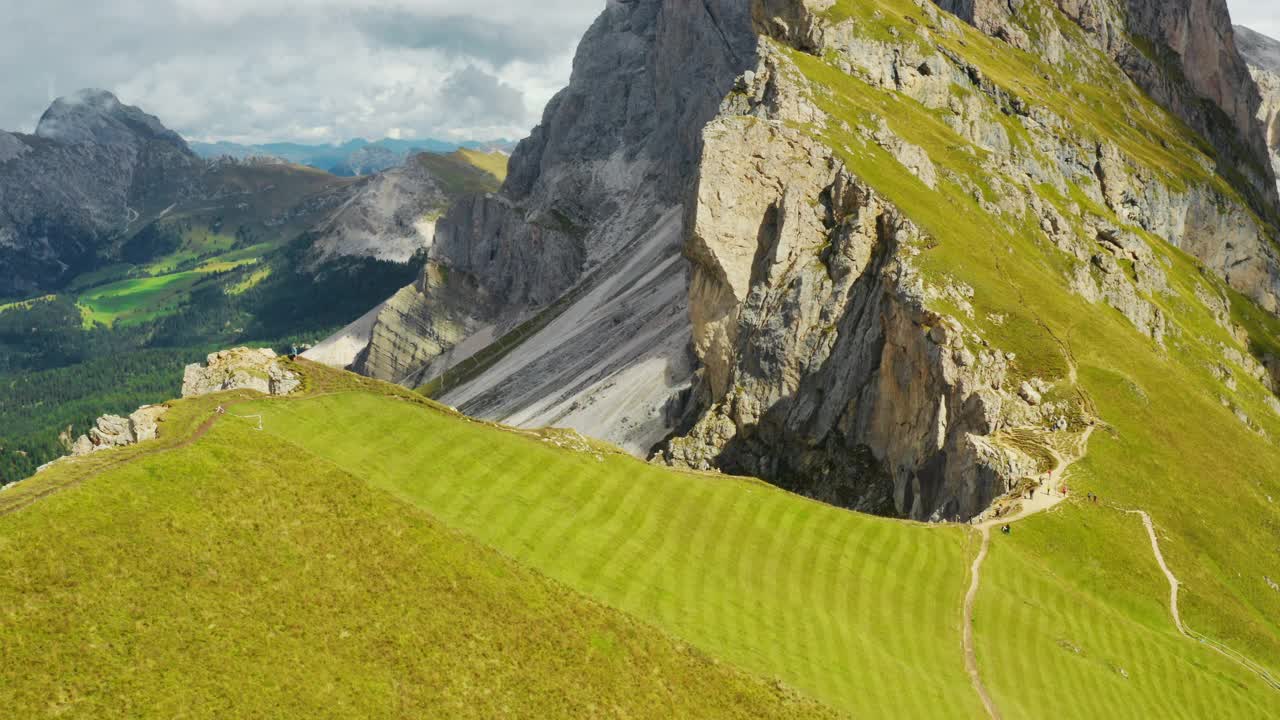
[[316, 70]]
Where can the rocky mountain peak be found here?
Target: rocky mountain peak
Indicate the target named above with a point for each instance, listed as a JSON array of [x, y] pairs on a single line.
[[97, 116]]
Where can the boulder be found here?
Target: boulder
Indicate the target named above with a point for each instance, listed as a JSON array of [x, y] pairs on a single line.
[[239, 369], [112, 431]]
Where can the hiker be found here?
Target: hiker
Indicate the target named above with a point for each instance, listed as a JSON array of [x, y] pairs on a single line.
[[221, 410], [1006, 530]]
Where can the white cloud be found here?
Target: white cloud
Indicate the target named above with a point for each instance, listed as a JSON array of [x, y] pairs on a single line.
[[1260, 15], [256, 70]]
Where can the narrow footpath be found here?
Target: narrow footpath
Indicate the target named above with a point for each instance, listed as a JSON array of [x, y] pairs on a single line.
[[1043, 500], [1174, 586]]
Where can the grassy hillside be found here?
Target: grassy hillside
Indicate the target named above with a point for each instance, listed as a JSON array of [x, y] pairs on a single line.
[[239, 578], [345, 496], [1196, 449], [466, 171], [1074, 623]]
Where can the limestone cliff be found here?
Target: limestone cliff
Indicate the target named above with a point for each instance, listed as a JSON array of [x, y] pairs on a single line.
[[578, 259], [1263, 57], [392, 215], [1180, 52], [799, 239]]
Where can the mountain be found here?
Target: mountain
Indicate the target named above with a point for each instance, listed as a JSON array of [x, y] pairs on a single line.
[[920, 271], [1263, 56], [73, 186], [97, 172], [352, 158], [811, 311], [127, 255]]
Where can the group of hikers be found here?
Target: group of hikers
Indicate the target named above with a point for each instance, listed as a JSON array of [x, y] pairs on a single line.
[[1031, 493]]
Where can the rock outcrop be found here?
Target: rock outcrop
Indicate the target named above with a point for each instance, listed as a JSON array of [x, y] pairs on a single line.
[[1180, 52], [392, 215], [239, 369], [112, 431], [727, 244], [579, 258], [1262, 54]]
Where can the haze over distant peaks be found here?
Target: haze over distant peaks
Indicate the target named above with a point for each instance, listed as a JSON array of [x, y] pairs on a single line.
[[351, 158]]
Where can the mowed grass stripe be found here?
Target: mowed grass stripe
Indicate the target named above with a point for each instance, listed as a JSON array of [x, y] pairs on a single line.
[[239, 577], [653, 554], [584, 499], [602, 509], [802, 581], [634, 549], [1054, 591]]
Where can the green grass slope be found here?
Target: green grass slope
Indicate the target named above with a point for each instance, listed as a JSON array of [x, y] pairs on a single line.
[[1173, 441], [236, 577], [824, 599], [1074, 622], [859, 612], [328, 564]]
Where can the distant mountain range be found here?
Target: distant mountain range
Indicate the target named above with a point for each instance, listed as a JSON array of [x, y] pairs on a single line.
[[350, 159]]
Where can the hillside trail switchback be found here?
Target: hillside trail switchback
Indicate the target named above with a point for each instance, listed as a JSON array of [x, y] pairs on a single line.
[[1041, 501], [1174, 586]]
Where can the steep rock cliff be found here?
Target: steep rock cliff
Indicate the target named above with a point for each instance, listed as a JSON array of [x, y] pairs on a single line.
[[1263, 57], [853, 266], [578, 259], [1180, 53]]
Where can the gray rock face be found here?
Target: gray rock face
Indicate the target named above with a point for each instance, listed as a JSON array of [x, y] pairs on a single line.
[[69, 190], [675, 254], [239, 369], [97, 117], [1188, 54], [598, 190], [11, 147], [1263, 57], [389, 216], [113, 431]]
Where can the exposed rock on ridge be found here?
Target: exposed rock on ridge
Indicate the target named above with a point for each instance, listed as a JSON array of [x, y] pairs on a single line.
[[820, 358], [1178, 51], [1263, 57], [239, 369], [111, 431]]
